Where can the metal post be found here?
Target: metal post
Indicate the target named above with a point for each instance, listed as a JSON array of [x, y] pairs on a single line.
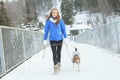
[[33, 43], [23, 41], [117, 35], [2, 57], [101, 38]]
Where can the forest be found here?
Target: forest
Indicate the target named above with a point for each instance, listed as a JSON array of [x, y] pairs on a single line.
[[16, 12]]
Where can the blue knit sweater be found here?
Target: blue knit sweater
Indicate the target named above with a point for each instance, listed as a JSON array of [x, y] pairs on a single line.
[[56, 31]]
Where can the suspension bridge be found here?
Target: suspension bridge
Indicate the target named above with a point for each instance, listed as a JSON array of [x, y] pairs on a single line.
[[21, 55]]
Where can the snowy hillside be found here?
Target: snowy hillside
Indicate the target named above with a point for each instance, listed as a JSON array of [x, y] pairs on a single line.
[[94, 19], [96, 64], [85, 17]]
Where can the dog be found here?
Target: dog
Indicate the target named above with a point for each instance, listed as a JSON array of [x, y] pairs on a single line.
[[76, 58]]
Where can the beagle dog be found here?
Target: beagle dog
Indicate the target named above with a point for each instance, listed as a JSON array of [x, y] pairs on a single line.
[[76, 58]]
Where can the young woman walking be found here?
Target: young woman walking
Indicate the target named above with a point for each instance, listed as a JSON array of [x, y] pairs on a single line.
[[55, 27]]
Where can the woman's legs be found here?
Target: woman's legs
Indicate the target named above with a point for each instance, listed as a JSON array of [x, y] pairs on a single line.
[[54, 51], [56, 47], [59, 47]]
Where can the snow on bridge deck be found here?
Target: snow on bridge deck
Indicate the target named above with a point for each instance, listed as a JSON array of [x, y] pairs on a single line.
[[96, 64]]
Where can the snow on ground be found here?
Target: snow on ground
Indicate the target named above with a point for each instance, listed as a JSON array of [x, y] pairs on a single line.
[[96, 64]]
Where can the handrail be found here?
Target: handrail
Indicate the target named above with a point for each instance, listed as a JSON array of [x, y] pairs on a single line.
[[18, 46]]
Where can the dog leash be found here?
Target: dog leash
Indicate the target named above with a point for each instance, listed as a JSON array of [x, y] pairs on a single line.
[[51, 45], [44, 52], [56, 45], [68, 52], [66, 47]]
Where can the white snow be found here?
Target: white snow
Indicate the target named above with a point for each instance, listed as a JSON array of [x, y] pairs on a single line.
[[96, 64], [81, 17], [94, 19], [80, 27]]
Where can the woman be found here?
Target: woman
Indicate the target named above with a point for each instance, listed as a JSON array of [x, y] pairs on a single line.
[[56, 27]]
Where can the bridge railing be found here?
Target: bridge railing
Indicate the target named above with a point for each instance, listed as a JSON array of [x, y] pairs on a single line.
[[16, 46], [106, 36]]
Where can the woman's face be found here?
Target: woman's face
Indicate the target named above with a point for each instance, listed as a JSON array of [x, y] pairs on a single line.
[[54, 13]]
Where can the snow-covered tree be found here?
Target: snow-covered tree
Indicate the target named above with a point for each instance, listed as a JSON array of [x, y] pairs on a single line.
[[4, 20], [67, 11]]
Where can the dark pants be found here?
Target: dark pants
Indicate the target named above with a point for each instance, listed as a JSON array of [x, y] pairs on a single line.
[[56, 47]]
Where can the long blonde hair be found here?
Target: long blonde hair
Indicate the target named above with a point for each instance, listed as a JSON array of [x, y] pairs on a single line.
[[58, 15]]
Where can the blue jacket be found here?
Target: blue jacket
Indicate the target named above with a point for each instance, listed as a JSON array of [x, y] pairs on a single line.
[[56, 31]]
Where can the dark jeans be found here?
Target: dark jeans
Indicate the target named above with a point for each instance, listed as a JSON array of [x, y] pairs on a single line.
[[56, 47]]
